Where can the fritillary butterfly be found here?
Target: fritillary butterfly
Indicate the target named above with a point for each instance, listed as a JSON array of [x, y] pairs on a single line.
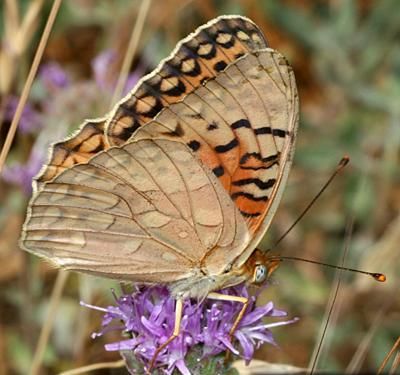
[[180, 182]]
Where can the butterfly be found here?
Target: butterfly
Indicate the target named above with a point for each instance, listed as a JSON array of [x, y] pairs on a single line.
[[179, 182]]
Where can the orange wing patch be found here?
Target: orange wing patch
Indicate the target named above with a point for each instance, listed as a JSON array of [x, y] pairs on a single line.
[[80, 148]]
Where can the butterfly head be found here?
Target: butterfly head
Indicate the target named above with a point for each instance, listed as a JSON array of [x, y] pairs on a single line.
[[260, 266]]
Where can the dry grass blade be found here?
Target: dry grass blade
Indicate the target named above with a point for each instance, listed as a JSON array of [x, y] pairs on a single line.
[[11, 18], [131, 51], [383, 255], [46, 329], [16, 39], [95, 366], [395, 364], [386, 359], [29, 81], [355, 363], [317, 350], [28, 24], [258, 367]]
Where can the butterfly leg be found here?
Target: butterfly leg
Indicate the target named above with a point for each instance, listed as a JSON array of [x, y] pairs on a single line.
[[175, 333], [225, 297]]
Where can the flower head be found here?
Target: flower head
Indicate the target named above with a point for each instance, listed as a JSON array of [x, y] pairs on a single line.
[[22, 174], [101, 68], [53, 76], [104, 74], [30, 118], [148, 317]]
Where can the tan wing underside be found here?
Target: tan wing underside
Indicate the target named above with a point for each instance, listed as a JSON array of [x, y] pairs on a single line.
[[147, 212], [241, 125], [195, 59]]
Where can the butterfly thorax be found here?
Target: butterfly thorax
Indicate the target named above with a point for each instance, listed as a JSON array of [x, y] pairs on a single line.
[[255, 270]]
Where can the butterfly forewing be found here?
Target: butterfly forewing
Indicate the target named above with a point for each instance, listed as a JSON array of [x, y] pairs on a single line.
[[196, 59], [242, 125]]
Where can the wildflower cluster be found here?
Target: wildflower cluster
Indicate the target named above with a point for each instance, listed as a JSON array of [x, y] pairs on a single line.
[[147, 316]]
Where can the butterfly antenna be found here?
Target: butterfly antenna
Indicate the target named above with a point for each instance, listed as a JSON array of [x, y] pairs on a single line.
[[343, 162], [376, 275]]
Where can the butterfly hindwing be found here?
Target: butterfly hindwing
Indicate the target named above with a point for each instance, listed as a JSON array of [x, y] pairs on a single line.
[[133, 213]]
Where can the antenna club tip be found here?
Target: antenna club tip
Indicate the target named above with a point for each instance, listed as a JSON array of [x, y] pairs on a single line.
[[379, 277], [344, 161]]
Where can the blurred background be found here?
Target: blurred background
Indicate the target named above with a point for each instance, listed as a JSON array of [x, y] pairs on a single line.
[[346, 58]]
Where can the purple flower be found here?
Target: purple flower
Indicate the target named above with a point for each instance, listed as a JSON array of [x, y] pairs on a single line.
[[30, 118], [53, 76], [131, 81], [22, 174], [105, 76], [148, 317], [101, 68]]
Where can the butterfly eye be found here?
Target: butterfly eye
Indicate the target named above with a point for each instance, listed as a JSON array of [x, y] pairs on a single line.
[[260, 273]]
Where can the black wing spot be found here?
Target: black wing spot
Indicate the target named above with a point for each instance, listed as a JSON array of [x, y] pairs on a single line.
[[176, 90], [263, 130], [219, 171], [127, 109], [257, 156], [279, 133], [249, 196], [194, 145], [220, 65], [99, 148], [154, 110], [212, 50], [271, 158], [212, 126], [177, 132], [155, 87], [127, 132], [204, 80], [248, 155], [196, 116], [256, 181], [228, 44], [242, 123], [229, 146], [250, 214], [196, 70], [252, 168]]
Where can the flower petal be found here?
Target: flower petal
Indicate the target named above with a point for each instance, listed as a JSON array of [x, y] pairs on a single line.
[[121, 345]]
